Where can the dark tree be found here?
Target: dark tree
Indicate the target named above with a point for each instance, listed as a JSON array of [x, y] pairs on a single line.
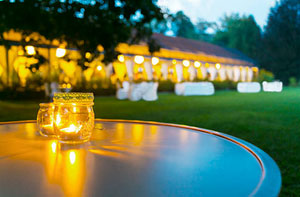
[[202, 28], [83, 24], [282, 40], [182, 26], [241, 33]]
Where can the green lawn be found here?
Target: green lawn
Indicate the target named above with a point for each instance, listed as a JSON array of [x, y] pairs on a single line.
[[271, 121]]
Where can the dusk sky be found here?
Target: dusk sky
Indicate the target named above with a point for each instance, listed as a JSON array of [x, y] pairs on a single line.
[[212, 10]]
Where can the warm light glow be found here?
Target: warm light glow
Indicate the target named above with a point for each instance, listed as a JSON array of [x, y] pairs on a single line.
[[69, 86], [206, 65], [88, 55], [99, 68], [58, 120], [186, 63], [197, 64], [60, 52], [174, 62], [74, 108], [34, 70], [137, 133], [218, 66], [255, 69], [155, 61], [72, 157], [47, 126], [30, 50], [121, 58], [139, 59], [71, 129], [20, 52], [53, 147], [1, 70]]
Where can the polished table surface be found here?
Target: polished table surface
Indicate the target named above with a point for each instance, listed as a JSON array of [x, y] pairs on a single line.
[[133, 158]]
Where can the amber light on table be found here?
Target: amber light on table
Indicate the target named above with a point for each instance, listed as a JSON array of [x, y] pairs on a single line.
[[45, 119], [73, 116]]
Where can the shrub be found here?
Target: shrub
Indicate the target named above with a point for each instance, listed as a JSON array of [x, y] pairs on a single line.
[[98, 87], [22, 94], [166, 86], [265, 75], [225, 85], [293, 82]]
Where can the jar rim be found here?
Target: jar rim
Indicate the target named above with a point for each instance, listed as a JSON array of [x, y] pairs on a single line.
[[70, 97]]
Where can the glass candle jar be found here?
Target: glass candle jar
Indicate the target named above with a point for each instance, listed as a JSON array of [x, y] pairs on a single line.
[[45, 119], [73, 116]]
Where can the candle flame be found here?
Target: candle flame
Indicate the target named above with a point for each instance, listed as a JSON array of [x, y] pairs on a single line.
[[72, 129], [53, 146], [58, 119], [72, 157]]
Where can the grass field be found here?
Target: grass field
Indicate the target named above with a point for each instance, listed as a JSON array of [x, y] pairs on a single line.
[[271, 121]]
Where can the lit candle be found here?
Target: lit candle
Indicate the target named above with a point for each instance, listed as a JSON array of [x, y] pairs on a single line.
[[48, 127], [45, 119], [74, 116], [72, 129]]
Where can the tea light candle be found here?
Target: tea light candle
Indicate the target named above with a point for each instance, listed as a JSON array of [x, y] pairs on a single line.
[[45, 119], [72, 129], [73, 116]]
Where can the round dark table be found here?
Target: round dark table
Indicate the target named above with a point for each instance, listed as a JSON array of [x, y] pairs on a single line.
[[133, 158]]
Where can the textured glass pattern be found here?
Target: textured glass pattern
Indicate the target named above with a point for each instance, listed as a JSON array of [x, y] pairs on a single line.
[[73, 97]]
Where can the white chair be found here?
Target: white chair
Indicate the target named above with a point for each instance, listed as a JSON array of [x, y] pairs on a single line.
[[248, 87], [275, 86], [179, 88], [151, 93], [194, 89], [122, 92], [136, 91]]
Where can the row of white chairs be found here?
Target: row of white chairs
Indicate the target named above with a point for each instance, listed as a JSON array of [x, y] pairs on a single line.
[[138, 91], [148, 90]]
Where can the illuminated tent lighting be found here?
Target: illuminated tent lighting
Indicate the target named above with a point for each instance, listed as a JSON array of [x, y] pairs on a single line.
[[69, 85], [155, 60], [88, 55], [30, 50], [255, 69], [218, 66], [174, 62], [99, 68], [186, 63], [20, 52], [60, 52], [206, 65], [197, 64], [121, 58], [139, 59], [1, 70]]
